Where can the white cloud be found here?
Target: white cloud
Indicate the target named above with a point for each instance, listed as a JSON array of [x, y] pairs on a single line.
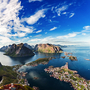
[[53, 28], [53, 16], [72, 14], [63, 8], [86, 27], [9, 12], [34, 18], [38, 35], [64, 13], [68, 36], [21, 34], [45, 32], [5, 40], [38, 31], [9, 19], [83, 33], [34, 40], [75, 38], [34, 0]]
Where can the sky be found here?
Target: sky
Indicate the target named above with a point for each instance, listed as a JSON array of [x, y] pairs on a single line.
[[64, 22]]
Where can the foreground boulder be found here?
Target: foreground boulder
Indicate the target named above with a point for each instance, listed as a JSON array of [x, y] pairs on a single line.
[[19, 51], [47, 48]]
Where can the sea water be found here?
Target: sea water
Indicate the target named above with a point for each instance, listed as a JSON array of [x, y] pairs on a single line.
[[44, 81]]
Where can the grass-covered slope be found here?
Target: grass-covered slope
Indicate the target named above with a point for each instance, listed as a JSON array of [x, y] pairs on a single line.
[[8, 75], [47, 48], [39, 61]]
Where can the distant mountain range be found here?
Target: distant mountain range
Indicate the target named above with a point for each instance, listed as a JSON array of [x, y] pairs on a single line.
[[5, 48], [22, 50]]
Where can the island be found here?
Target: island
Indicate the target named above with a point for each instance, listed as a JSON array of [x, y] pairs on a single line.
[[65, 74], [47, 48], [19, 51], [67, 54], [73, 58], [40, 61]]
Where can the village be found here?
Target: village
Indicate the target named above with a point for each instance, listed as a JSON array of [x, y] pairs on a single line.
[[70, 76]]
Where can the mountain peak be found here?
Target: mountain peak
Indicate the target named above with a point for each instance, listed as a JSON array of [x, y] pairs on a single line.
[[47, 48], [19, 51]]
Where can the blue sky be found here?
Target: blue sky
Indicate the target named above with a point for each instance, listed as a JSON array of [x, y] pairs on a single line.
[[65, 22]]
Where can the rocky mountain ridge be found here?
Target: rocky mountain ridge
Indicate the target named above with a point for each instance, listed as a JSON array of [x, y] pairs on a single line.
[[47, 48], [19, 51]]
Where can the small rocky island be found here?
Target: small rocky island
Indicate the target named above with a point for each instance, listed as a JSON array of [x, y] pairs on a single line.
[[47, 48], [19, 51], [72, 58], [67, 75]]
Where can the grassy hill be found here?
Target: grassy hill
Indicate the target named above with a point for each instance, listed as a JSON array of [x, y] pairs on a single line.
[[8, 75]]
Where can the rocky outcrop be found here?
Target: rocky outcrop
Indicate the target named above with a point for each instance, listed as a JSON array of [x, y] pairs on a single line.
[[5, 48], [73, 58], [28, 46], [47, 48], [19, 51]]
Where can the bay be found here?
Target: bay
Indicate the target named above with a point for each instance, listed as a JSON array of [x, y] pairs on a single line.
[[44, 82]]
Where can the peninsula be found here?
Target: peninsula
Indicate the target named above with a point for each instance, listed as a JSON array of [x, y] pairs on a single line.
[[40, 61], [67, 75]]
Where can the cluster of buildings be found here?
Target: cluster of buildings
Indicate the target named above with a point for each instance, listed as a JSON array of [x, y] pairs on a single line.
[[22, 79], [67, 75]]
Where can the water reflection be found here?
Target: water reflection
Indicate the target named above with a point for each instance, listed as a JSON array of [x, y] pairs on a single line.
[[6, 60], [21, 60]]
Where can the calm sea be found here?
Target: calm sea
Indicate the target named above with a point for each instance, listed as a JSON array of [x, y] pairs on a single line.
[[44, 82]]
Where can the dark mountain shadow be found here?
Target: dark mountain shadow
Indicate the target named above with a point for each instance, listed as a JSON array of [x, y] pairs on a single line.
[[22, 60]]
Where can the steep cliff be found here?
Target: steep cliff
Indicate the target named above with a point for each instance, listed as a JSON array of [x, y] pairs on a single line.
[[47, 48], [28, 46], [19, 51]]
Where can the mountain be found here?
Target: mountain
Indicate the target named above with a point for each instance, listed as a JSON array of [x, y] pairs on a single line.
[[5, 48], [19, 51], [47, 48], [28, 46]]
